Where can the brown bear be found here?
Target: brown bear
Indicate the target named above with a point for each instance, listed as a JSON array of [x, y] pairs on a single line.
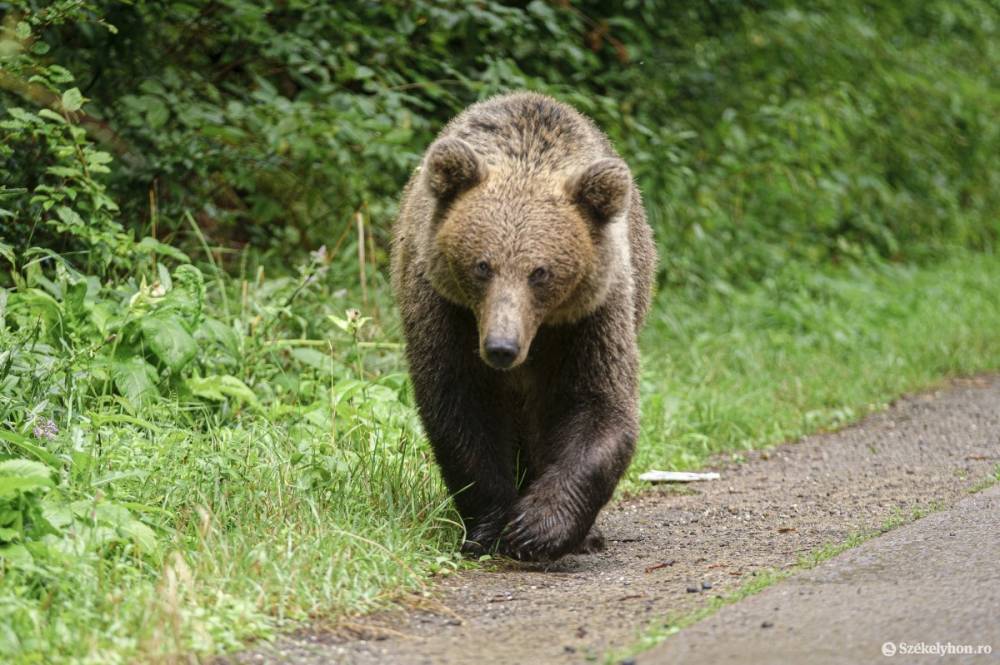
[[522, 264]]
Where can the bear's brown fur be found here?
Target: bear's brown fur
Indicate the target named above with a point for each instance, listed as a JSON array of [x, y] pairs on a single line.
[[522, 264]]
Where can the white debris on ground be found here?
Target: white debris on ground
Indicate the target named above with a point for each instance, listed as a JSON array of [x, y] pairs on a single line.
[[677, 476]]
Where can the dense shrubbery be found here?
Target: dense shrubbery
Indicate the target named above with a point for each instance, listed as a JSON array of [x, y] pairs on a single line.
[[176, 474], [759, 131]]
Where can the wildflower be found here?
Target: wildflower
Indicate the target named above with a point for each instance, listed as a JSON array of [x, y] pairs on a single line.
[[319, 255], [46, 429]]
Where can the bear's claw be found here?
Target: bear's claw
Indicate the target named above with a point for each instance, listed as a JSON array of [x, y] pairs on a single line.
[[539, 532], [484, 538]]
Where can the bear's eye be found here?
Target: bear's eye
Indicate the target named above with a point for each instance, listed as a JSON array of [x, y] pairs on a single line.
[[482, 270], [539, 276]]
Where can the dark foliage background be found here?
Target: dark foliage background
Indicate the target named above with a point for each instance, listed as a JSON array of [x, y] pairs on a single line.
[[759, 131]]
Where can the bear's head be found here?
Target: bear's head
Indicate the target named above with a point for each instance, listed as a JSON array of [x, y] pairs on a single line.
[[524, 247]]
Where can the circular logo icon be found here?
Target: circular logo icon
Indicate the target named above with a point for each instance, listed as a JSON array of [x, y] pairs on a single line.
[[888, 649]]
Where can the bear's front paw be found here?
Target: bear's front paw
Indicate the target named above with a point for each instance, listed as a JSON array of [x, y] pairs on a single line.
[[483, 537], [540, 531]]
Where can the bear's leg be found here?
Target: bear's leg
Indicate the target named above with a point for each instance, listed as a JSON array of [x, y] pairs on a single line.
[[457, 399], [589, 451], [477, 471]]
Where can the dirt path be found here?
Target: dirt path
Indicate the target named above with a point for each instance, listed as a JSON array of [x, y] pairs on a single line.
[[929, 590], [925, 451]]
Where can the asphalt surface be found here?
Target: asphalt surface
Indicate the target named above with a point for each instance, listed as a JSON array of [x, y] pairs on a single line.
[[928, 592]]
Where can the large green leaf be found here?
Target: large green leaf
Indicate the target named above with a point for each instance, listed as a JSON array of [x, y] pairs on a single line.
[[26, 468], [12, 485], [35, 304], [6, 251], [143, 536], [135, 379], [212, 330], [23, 475], [154, 246], [72, 99], [218, 387], [167, 337], [313, 358], [27, 446], [187, 297]]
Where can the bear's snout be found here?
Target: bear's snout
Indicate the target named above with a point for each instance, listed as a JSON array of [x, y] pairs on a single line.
[[501, 352], [506, 324]]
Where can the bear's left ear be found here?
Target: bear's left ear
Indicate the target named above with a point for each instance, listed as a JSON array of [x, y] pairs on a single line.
[[452, 168], [602, 189]]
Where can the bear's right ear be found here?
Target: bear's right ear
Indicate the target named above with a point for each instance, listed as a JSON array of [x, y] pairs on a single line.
[[452, 168], [603, 189]]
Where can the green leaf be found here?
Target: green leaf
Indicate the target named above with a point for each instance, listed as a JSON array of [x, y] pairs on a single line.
[[157, 115], [143, 536], [75, 302], [58, 515], [154, 246], [59, 74], [51, 115], [98, 157], [10, 485], [218, 387], [25, 468], [72, 99], [214, 330], [21, 115], [166, 336], [135, 379], [64, 171], [22, 30], [313, 358], [69, 216], [7, 252], [16, 555], [26, 446], [187, 297], [35, 304], [23, 475]]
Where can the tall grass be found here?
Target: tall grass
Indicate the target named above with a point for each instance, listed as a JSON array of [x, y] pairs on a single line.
[[320, 499], [808, 350]]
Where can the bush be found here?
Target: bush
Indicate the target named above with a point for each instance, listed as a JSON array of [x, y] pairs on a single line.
[[760, 132]]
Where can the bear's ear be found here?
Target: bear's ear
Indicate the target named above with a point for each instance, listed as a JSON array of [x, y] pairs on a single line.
[[602, 189], [452, 168]]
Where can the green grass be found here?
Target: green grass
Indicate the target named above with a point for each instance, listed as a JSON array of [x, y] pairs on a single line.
[[276, 476], [807, 351], [258, 523], [987, 482], [198, 520]]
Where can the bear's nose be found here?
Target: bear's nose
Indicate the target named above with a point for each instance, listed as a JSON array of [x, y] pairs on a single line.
[[500, 353]]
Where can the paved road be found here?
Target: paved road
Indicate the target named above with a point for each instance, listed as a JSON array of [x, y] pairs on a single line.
[[920, 588]]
